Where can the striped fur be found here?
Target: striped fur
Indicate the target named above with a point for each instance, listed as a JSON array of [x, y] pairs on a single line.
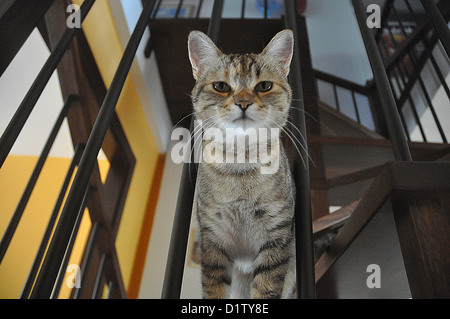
[[246, 218]]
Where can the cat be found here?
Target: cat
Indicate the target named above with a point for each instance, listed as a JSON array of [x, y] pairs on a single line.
[[245, 217]]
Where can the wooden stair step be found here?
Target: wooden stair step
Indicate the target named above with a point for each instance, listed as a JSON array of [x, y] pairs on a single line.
[[335, 123], [334, 220], [402, 225]]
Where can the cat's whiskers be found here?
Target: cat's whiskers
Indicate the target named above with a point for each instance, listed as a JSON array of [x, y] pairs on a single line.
[[291, 135], [298, 130], [184, 117], [301, 110]]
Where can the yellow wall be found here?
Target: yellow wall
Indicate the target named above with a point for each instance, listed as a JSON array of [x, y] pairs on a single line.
[[20, 255], [107, 50]]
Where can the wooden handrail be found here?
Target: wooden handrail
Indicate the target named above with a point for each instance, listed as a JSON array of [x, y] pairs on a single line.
[[346, 84]]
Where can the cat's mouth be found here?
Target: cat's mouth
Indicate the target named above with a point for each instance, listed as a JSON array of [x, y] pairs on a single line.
[[243, 121]]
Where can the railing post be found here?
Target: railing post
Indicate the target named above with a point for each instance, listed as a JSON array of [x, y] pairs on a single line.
[[303, 218], [388, 105], [180, 230], [439, 23]]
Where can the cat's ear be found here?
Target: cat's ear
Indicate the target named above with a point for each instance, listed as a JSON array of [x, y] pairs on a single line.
[[202, 51], [280, 49]]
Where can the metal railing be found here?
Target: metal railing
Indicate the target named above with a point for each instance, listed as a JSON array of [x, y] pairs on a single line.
[[416, 65], [181, 224], [44, 280], [76, 198], [407, 43]]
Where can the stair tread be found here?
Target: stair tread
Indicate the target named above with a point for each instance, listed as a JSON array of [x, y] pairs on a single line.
[[338, 124], [333, 220]]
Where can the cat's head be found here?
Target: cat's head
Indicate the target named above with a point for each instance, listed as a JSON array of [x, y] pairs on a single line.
[[241, 91]]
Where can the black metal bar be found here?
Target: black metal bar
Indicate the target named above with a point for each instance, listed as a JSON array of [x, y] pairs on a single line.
[[336, 99], [405, 84], [303, 218], [48, 231], [62, 269], [111, 291], [214, 24], [355, 105], [98, 287], [422, 61], [149, 46], [180, 4], [199, 8], [266, 9], [414, 60], [180, 230], [26, 107], [385, 11], [89, 253], [439, 23], [243, 9], [391, 114], [74, 200], [10, 230], [428, 50]]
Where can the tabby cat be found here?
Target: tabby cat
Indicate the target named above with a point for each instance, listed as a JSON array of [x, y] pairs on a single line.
[[246, 218]]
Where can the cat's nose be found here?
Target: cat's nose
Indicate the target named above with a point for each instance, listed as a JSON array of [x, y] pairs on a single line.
[[243, 104]]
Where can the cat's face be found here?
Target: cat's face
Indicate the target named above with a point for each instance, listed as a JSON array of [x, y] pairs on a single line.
[[241, 91]]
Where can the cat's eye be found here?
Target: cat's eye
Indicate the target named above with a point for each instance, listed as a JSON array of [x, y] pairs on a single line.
[[263, 86], [221, 87]]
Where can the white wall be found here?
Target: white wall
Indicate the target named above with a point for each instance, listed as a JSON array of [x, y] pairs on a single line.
[[15, 83], [335, 41]]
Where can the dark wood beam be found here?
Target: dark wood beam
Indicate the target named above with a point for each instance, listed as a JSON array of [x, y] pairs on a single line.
[[18, 18]]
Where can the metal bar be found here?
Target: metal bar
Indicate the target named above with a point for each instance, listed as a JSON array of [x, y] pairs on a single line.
[[89, 253], [98, 287], [303, 218], [48, 231], [405, 83], [74, 200], [216, 18], [430, 53], [385, 11], [439, 23], [336, 99], [266, 9], [180, 230], [111, 291], [155, 10], [355, 105], [62, 269], [392, 117], [199, 8], [414, 60], [10, 230], [149, 46], [23, 112], [180, 4], [243, 9]]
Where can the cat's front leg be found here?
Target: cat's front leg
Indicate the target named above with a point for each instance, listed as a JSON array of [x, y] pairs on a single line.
[[270, 269], [215, 264]]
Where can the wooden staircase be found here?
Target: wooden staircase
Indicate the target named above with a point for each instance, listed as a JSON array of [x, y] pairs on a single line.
[[393, 214]]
